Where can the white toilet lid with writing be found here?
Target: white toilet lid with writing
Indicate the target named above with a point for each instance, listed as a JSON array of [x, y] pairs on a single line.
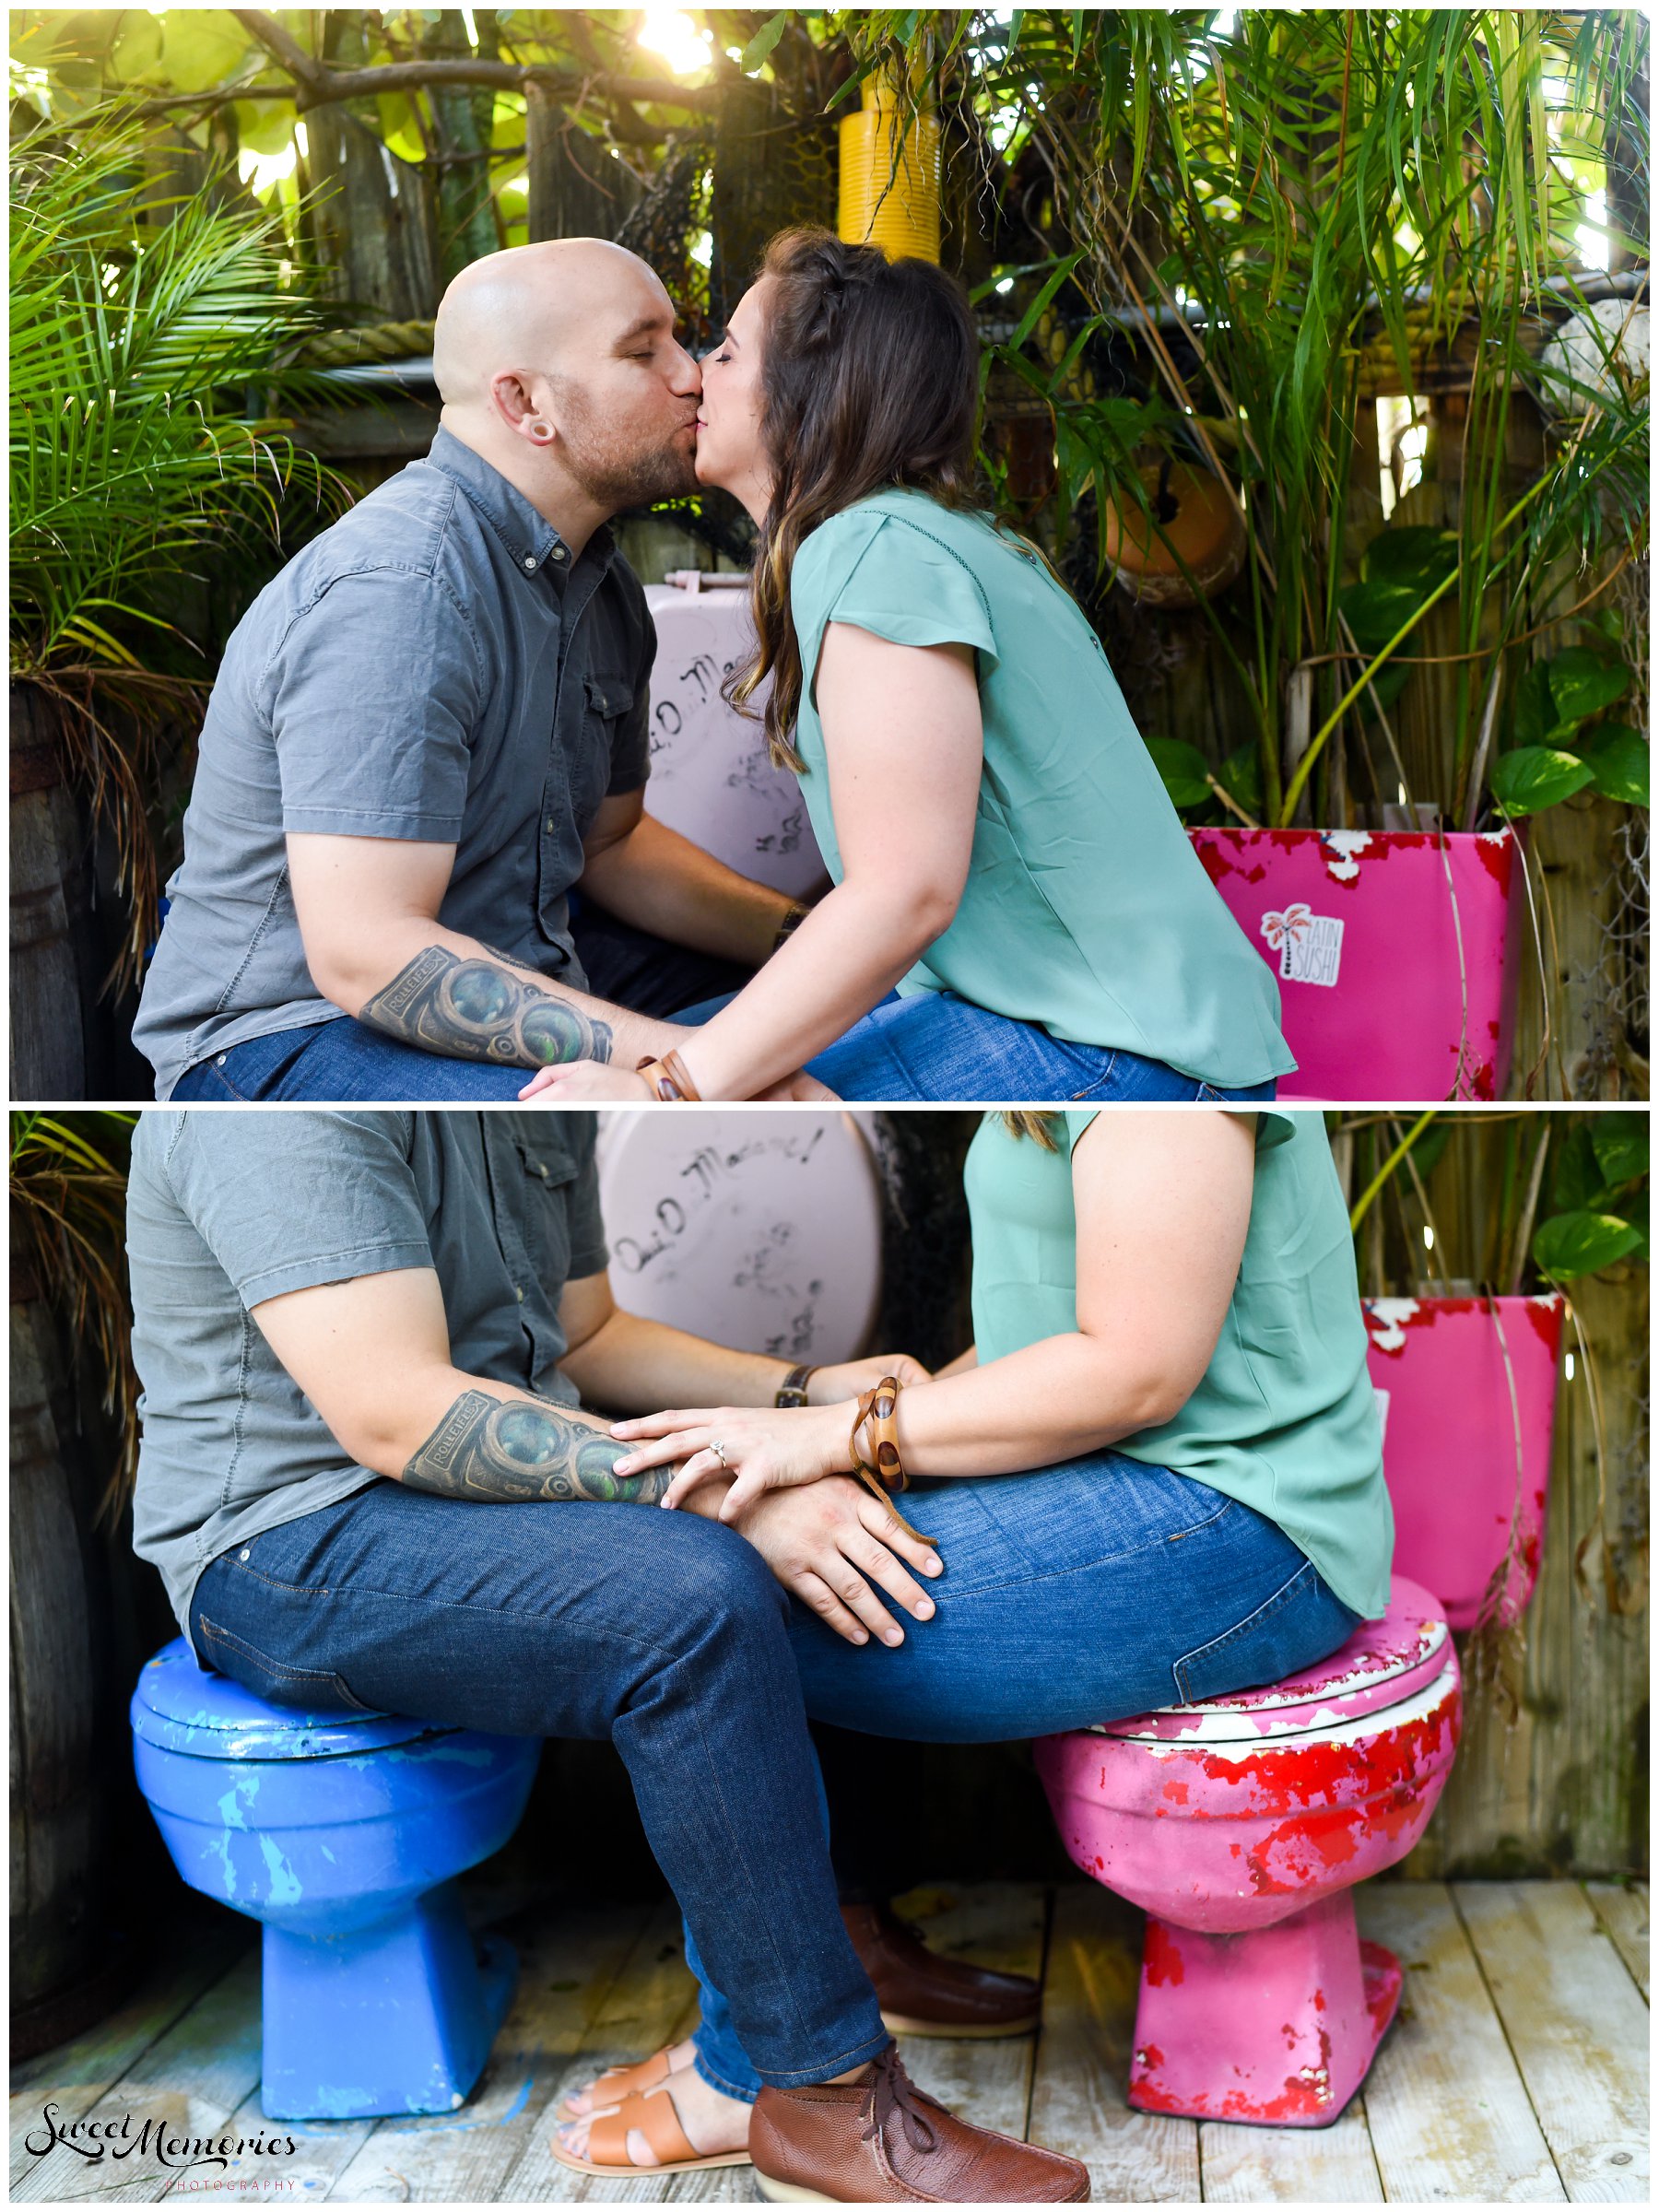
[[761, 1230], [711, 776]]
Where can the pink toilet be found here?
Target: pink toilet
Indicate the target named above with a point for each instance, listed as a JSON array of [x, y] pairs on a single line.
[[1241, 1824]]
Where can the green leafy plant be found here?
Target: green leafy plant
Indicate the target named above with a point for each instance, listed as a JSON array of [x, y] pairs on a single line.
[[68, 1220], [1277, 216], [140, 326], [1563, 743], [1600, 1199], [1576, 1202]]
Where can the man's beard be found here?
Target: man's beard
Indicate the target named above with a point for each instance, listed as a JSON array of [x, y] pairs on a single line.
[[613, 477]]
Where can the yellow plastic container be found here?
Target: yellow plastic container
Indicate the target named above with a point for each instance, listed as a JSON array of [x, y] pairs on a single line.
[[890, 175]]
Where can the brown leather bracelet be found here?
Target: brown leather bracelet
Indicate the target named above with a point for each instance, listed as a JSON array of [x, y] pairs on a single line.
[[792, 1390], [668, 1078], [879, 1408]]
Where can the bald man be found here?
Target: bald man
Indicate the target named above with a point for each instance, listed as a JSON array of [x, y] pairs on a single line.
[[431, 727]]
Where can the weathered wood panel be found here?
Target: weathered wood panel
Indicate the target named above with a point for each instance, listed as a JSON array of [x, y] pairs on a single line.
[[1561, 1786], [58, 1844], [1077, 2102], [1624, 1915], [1450, 2116], [1331, 2165], [1577, 2026], [188, 2083]]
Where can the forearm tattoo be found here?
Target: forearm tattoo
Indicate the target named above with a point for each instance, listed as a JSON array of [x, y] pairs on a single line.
[[510, 1449], [474, 1010]]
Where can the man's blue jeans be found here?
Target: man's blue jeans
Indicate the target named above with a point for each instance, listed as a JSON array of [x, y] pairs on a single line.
[[1079, 1593], [931, 1047], [664, 1632]]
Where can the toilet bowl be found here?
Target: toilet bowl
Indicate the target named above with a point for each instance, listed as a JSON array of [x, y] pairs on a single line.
[[1241, 1824], [342, 1835]]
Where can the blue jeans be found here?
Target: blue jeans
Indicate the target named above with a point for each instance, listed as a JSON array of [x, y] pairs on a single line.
[[935, 1047], [342, 1060], [1079, 1593], [664, 1632]]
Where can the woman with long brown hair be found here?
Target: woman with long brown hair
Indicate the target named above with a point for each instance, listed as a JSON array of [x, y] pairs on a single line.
[[1004, 856]]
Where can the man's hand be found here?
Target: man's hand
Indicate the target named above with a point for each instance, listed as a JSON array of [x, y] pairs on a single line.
[[830, 1544], [852, 1378]]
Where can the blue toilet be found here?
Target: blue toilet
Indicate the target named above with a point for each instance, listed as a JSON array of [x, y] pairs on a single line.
[[342, 1835]]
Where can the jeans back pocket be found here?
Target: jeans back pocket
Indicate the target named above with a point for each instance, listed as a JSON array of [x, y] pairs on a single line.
[[311, 1688], [1302, 1623]]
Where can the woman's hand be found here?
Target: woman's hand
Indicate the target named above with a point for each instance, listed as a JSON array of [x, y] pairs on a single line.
[[585, 1079], [762, 1449], [591, 1079]]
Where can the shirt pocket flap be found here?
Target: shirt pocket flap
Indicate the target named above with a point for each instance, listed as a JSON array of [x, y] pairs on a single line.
[[548, 1161], [608, 695]]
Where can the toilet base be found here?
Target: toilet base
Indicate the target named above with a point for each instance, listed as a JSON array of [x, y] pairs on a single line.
[[1275, 2027], [396, 2017]]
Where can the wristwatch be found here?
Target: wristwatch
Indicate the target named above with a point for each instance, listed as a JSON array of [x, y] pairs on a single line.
[[792, 922], [792, 1390]]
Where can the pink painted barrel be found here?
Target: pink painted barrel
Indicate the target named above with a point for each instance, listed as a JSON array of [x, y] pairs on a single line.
[[1467, 1391], [1396, 952]]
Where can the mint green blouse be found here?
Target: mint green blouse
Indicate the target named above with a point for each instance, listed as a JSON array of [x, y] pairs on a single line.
[[1285, 1418], [1085, 909]]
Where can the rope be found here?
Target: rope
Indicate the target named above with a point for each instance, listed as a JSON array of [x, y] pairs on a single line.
[[374, 342]]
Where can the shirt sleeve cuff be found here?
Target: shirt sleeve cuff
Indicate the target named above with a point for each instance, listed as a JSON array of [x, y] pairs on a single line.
[[341, 821], [594, 1260], [332, 1268]]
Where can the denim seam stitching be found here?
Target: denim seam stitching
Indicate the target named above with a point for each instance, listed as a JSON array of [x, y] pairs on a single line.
[[448, 1605], [1104, 1558], [212, 1633], [841, 2062], [1264, 1611]]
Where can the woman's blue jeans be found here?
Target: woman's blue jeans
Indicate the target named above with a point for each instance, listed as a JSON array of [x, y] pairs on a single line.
[[1080, 1594], [935, 1047]]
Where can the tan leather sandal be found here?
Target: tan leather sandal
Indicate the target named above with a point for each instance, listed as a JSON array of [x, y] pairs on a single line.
[[617, 2082], [657, 2121]]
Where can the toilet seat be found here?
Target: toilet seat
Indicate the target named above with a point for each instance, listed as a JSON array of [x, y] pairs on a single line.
[[1384, 1664], [178, 1706]]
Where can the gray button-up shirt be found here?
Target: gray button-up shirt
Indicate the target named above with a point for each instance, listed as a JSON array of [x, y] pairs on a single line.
[[225, 1210], [434, 667]]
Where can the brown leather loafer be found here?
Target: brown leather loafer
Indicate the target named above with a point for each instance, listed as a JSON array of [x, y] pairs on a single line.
[[922, 1994], [880, 2140]]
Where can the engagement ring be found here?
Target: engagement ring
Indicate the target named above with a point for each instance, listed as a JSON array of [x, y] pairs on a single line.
[[719, 1451]]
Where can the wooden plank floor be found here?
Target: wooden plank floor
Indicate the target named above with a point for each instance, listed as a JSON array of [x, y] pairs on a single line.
[[1516, 2073]]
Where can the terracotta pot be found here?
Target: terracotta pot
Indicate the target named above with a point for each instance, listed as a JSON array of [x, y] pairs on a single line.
[[1198, 520]]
